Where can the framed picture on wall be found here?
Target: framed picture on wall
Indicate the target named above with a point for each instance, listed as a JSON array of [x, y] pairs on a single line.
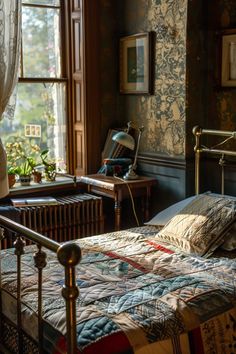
[[135, 64], [228, 68]]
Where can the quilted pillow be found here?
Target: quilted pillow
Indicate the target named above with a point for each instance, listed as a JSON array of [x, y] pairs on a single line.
[[199, 228]]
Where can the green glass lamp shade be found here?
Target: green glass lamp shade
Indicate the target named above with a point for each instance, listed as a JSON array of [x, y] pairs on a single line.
[[124, 139]]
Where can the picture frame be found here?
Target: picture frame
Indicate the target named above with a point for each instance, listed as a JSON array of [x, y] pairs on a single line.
[[135, 64], [33, 130], [228, 67]]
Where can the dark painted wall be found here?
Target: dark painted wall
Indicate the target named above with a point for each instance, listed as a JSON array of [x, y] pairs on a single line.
[[186, 93], [221, 108], [196, 70]]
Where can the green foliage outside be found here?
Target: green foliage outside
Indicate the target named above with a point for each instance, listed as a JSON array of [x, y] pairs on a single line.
[[39, 103]]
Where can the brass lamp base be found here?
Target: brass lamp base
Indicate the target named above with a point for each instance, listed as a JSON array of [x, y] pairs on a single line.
[[130, 174]]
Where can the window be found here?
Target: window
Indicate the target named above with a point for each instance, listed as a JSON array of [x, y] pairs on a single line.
[[40, 114], [54, 108]]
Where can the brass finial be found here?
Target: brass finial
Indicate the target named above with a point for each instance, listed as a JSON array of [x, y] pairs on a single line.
[[197, 130], [69, 253]]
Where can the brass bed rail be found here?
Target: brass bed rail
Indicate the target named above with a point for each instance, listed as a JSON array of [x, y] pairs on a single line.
[[199, 148], [68, 254]]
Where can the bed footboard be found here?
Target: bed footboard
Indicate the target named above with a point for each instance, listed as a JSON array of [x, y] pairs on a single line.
[[68, 254]]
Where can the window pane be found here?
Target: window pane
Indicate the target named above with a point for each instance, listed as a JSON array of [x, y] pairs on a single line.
[[41, 42], [40, 117], [42, 2]]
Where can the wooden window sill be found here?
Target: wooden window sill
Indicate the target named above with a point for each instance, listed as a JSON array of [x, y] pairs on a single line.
[[61, 184]]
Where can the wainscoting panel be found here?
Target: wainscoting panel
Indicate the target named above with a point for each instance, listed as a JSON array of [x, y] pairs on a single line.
[[211, 177], [175, 180]]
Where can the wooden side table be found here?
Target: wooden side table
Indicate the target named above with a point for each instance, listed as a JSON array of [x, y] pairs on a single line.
[[117, 189]]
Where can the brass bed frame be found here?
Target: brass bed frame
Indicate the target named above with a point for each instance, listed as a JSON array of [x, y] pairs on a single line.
[[199, 148], [69, 253]]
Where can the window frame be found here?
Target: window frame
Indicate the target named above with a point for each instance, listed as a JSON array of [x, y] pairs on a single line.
[[88, 150], [65, 74]]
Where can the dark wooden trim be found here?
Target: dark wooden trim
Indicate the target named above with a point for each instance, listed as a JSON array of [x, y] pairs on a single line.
[[42, 79], [91, 41], [67, 71], [40, 5], [154, 159], [75, 127]]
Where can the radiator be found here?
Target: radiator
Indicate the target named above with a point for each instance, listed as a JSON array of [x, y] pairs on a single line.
[[74, 216]]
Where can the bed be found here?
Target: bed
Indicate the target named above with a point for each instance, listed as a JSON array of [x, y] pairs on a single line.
[[166, 287]]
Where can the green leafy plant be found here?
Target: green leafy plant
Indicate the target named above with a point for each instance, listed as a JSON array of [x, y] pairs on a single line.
[[22, 156], [11, 170], [49, 165], [33, 163], [25, 169]]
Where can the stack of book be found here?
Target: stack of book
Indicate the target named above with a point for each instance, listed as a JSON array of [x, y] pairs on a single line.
[[117, 166]]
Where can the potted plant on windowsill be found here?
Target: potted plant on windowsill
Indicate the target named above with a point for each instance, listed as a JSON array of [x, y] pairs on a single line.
[[24, 172], [37, 175], [23, 157], [49, 166], [11, 171]]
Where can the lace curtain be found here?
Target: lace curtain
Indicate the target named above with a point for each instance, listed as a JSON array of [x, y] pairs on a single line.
[[10, 29]]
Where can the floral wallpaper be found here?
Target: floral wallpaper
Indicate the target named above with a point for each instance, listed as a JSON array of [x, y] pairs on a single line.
[[165, 118], [186, 71], [163, 113]]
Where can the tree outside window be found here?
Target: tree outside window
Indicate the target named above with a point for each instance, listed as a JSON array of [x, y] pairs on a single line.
[[40, 114]]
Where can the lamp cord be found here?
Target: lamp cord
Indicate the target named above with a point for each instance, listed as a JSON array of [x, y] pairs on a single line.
[[131, 197]]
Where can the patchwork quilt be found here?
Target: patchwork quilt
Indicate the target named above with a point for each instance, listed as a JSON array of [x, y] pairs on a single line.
[[137, 295]]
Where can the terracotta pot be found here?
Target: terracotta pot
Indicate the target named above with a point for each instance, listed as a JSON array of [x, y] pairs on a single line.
[[37, 176], [11, 180]]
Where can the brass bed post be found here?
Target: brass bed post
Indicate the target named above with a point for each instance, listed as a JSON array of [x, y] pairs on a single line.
[[19, 245], [1, 238], [197, 131], [222, 164], [40, 263], [69, 255]]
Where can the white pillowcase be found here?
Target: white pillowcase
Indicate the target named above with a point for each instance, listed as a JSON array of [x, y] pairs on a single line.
[[165, 215]]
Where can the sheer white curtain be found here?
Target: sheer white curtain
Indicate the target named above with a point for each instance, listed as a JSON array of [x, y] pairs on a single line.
[[10, 29]]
